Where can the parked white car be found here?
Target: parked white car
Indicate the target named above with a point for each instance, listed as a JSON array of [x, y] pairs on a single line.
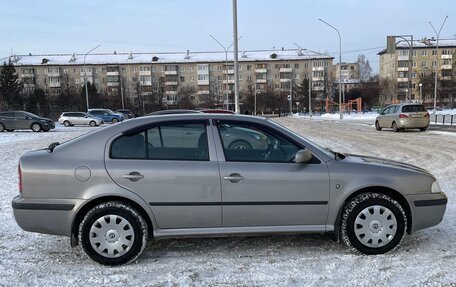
[[79, 118]]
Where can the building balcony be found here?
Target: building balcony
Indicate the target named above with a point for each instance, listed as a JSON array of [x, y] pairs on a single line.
[[286, 70], [402, 80], [204, 92], [403, 58], [318, 79], [171, 83], [318, 89], [285, 80], [29, 86], [144, 73], [446, 78], [446, 67], [88, 74], [112, 73], [228, 81], [318, 68], [402, 69], [27, 75], [261, 81], [113, 84], [170, 92], [54, 85], [170, 72], [203, 82], [446, 57], [228, 72], [53, 74], [145, 83], [261, 71]]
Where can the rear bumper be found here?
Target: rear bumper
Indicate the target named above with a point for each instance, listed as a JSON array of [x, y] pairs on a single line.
[[413, 123], [427, 209], [49, 216]]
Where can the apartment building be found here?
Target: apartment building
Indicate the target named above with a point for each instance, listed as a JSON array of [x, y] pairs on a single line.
[[396, 73], [210, 74], [349, 75]]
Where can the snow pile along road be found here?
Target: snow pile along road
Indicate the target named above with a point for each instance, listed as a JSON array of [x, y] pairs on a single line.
[[427, 257]]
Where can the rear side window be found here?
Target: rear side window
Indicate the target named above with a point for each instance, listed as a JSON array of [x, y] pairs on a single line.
[[413, 109], [165, 142]]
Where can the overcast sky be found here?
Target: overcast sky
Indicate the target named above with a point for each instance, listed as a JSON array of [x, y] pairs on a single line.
[[66, 26]]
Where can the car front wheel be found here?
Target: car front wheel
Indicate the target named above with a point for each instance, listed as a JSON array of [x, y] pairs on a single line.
[[114, 121], [395, 128], [2, 128], [377, 126], [36, 127], [66, 123], [92, 123], [113, 233], [373, 223]]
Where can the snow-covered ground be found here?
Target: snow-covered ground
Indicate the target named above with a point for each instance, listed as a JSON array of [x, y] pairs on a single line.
[[426, 258]]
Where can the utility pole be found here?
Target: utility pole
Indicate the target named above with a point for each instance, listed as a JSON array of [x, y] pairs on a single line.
[[437, 66], [85, 77], [236, 65]]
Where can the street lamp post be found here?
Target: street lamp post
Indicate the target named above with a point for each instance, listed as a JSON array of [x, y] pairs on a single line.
[[410, 65], [85, 77], [340, 68], [236, 68], [437, 57], [421, 91], [255, 104]]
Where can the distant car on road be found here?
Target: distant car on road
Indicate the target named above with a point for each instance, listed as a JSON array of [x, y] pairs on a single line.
[[176, 176], [79, 118], [106, 115], [403, 116], [126, 113], [21, 120]]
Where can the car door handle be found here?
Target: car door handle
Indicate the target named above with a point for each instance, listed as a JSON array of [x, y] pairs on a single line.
[[234, 177], [133, 176]]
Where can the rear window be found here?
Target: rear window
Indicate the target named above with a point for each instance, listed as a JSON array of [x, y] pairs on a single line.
[[413, 109]]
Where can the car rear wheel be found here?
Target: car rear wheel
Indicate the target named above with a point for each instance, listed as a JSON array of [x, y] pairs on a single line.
[[92, 123], [113, 233], [114, 121], [36, 127], [373, 223], [395, 128], [377, 126], [423, 129], [66, 123], [2, 128]]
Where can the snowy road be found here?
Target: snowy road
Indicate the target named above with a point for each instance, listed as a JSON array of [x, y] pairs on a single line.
[[425, 258]]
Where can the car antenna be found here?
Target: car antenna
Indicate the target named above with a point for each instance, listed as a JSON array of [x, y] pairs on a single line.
[[52, 146]]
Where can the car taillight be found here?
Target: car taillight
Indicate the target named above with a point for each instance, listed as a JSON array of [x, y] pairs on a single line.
[[402, 116], [19, 171], [426, 115]]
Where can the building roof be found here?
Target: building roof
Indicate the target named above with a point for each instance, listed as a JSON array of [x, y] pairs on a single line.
[[423, 44], [162, 57]]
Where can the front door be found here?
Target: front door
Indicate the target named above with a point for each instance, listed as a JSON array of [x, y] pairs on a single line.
[[172, 167], [262, 186]]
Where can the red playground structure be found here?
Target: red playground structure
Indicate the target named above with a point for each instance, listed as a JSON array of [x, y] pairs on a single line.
[[348, 106]]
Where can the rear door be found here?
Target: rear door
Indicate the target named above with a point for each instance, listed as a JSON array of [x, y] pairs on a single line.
[[172, 167]]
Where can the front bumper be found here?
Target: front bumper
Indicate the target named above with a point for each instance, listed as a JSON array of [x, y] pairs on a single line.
[[49, 216], [427, 209]]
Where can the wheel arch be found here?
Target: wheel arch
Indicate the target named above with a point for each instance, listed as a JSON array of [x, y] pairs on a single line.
[[394, 194], [91, 204]]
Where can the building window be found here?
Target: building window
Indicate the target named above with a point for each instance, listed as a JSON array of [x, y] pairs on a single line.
[[249, 67], [193, 78], [423, 53], [434, 63], [434, 52], [414, 53], [182, 79], [297, 76], [134, 69], [296, 66], [414, 64]]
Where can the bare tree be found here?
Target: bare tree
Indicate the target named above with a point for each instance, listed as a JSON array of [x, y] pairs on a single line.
[[365, 70]]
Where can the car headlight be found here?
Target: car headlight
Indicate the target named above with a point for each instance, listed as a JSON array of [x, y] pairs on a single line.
[[435, 188]]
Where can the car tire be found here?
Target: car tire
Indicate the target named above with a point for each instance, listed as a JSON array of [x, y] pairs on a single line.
[[423, 129], [373, 223], [92, 124], [114, 121], [124, 236], [240, 144], [377, 126], [66, 123], [2, 128], [395, 128], [36, 127], [46, 130], [10, 130]]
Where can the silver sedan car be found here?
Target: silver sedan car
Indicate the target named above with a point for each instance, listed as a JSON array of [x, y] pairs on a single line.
[[403, 116], [173, 176], [79, 118]]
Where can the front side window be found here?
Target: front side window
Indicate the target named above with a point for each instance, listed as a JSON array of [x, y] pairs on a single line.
[[248, 143], [164, 142]]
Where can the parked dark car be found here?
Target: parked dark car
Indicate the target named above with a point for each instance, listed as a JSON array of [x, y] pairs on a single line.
[[106, 115], [126, 113], [21, 120]]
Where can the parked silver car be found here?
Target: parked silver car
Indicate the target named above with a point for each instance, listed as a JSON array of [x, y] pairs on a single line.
[[112, 189], [403, 116], [79, 118]]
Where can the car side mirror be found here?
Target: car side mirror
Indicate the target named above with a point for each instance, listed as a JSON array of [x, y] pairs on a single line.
[[303, 156]]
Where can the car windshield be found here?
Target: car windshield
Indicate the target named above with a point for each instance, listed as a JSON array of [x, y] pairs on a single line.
[[413, 109]]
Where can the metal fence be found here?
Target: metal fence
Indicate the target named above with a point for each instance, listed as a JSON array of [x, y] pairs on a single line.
[[443, 119]]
